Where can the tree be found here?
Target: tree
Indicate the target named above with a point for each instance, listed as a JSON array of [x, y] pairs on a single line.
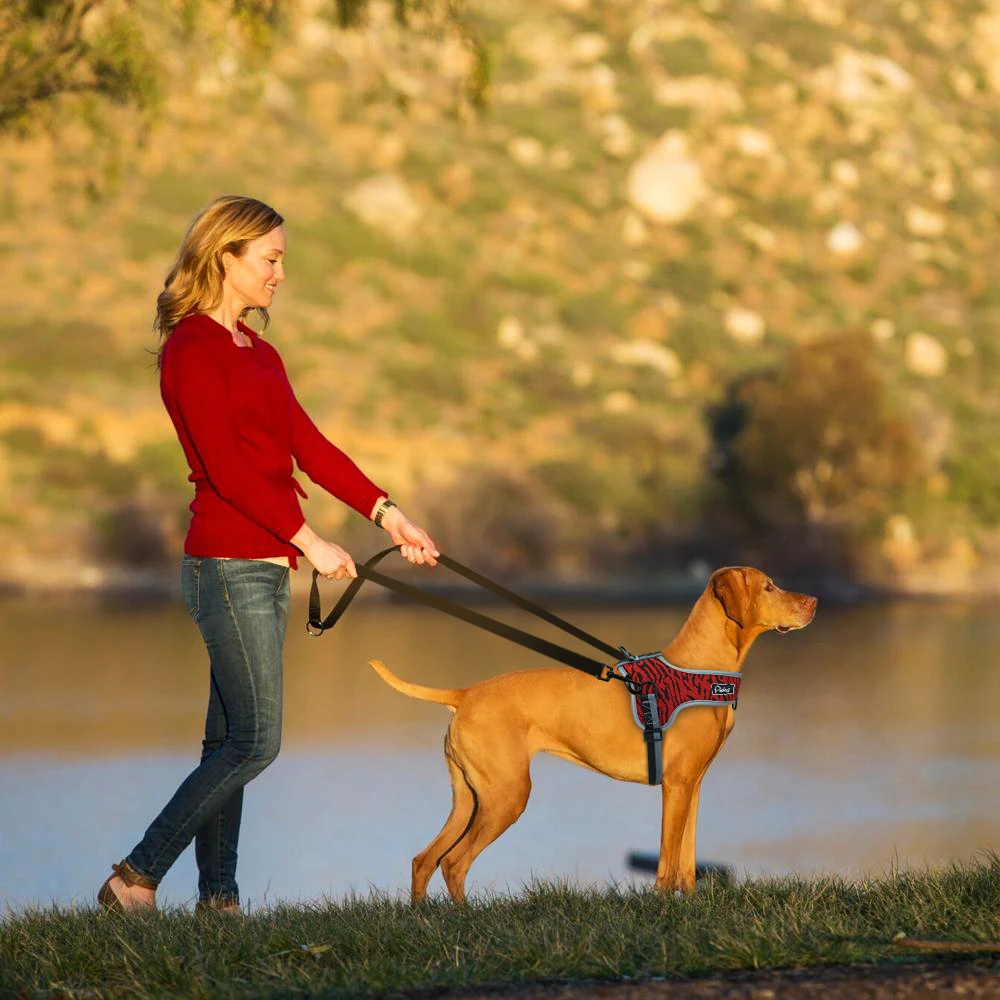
[[812, 456], [97, 51], [53, 49]]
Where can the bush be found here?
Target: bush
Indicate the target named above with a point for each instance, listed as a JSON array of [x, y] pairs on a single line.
[[132, 536], [811, 456], [497, 521]]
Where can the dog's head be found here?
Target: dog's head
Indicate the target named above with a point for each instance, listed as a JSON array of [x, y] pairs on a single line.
[[754, 603]]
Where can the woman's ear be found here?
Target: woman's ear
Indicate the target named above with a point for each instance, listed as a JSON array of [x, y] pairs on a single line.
[[731, 591]]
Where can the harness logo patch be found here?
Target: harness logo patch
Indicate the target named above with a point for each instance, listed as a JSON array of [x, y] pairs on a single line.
[[720, 690]]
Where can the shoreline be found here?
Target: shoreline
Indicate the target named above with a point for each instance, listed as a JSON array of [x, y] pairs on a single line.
[[64, 580]]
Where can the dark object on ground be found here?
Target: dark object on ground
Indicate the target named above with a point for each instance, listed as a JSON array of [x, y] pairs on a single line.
[[639, 861]]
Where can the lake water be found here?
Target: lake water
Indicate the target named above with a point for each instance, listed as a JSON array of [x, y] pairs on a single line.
[[869, 740]]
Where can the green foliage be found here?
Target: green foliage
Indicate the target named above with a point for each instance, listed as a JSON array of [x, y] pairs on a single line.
[[79, 51], [162, 464], [971, 468], [815, 446], [594, 311], [411, 13], [71, 477], [23, 440], [72, 49], [687, 56], [478, 85], [496, 519], [259, 20], [690, 277], [807, 41], [131, 536], [572, 483], [430, 388]]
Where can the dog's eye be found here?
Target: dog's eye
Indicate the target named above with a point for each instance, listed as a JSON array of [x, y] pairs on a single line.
[[769, 585]]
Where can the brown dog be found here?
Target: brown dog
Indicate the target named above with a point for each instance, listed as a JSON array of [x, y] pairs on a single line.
[[501, 723]]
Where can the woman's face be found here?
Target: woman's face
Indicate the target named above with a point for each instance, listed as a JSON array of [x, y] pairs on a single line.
[[253, 278]]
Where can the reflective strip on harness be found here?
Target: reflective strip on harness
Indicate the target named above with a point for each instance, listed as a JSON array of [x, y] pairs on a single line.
[[660, 690], [652, 733]]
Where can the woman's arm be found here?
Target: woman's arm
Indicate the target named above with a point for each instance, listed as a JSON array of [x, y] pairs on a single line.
[[327, 466]]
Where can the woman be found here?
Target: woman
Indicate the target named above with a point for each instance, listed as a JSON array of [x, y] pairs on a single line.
[[240, 426]]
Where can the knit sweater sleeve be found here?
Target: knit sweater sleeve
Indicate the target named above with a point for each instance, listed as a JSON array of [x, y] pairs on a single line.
[[325, 464], [196, 392]]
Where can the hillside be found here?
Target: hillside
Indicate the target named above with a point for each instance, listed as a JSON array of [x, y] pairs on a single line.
[[520, 319]]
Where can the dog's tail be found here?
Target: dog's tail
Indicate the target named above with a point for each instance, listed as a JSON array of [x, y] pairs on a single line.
[[452, 697]]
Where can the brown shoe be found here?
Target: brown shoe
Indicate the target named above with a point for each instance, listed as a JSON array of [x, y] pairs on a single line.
[[219, 904], [109, 900]]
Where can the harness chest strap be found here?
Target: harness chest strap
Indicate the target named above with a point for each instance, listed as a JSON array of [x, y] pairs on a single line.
[[652, 733], [661, 690]]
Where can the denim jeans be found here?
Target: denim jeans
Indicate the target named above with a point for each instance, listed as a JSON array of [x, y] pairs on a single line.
[[241, 608]]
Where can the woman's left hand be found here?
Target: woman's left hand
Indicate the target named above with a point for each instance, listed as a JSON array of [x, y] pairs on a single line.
[[416, 546]]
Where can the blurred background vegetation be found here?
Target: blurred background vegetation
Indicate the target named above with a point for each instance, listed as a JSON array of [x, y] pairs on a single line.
[[594, 287]]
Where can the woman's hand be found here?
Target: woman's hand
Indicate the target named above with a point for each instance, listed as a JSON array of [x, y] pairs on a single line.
[[416, 545], [328, 558]]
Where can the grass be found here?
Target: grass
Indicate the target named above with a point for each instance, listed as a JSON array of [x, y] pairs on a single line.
[[548, 933]]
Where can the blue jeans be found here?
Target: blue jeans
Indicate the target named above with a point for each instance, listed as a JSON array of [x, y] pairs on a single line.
[[241, 608]]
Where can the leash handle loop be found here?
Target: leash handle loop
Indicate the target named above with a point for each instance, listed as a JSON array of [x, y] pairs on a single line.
[[316, 625]]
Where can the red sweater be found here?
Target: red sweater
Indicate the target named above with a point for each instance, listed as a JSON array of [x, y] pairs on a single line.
[[240, 425]]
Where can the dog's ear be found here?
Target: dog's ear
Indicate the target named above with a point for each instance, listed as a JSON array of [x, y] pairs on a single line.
[[731, 591]]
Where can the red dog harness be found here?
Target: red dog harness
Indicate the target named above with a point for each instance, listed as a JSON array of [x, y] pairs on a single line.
[[660, 690]]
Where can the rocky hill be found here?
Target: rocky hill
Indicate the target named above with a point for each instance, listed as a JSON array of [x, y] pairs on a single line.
[[522, 318]]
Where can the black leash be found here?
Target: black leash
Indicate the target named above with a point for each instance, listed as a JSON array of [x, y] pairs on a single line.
[[316, 625], [652, 733]]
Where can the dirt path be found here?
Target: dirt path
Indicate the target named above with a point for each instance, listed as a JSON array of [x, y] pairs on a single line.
[[976, 980]]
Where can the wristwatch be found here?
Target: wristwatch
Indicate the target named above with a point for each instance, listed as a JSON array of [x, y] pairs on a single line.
[[381, 511]]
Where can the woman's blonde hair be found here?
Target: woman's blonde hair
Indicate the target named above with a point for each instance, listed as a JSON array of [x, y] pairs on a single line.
[[194, 284]]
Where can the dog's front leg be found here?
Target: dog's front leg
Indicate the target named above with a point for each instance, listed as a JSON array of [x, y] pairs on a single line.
[[689, 852], [675, 870]]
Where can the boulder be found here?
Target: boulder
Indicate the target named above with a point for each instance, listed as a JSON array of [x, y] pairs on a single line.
[[923, 222], [526, 151], [925, 355], [744, 325], [647, 354], [844, 238], [666, 184], [384, 202]]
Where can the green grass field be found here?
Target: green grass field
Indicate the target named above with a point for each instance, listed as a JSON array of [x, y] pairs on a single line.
[[549, 933]]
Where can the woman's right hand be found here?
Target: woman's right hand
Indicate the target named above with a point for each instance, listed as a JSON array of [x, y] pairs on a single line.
[[328, 558]]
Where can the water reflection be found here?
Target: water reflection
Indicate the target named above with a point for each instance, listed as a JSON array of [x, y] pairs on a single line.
[[867, 739]]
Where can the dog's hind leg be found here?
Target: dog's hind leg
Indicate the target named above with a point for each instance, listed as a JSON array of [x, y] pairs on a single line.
[[502, 795], [463, 808]]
